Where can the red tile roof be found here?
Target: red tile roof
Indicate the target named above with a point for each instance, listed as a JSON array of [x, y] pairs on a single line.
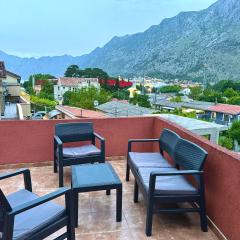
[[124, 84], [42, 81], [113, 82], [225, 108], [71, 82], [81, 113]]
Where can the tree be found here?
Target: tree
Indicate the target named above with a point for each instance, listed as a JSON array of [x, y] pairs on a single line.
[[72, 71], [170, 89], [47, 90], [75, 71], [210, 95], [229, 93], [85, 97], [121, 94], [195, 92], [141, 100], [28, 85], [234, 131], [234, 100], [93, 73], [176, 99]]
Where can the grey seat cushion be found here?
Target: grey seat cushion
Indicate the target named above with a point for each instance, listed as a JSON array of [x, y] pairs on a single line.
[[85, 150], [167, 184], [149, 159], [34, 219]]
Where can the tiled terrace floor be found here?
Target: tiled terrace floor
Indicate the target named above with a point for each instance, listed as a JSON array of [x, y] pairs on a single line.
[[97, 211]]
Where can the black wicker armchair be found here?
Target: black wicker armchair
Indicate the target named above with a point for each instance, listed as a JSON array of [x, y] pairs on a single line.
[[67, 156], [25, 215]]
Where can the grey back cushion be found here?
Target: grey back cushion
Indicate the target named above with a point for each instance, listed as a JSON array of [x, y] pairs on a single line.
[[168, 141]]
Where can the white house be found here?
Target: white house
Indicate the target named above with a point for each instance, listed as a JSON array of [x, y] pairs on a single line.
[[185, 91], [9, 87], [65, 84]]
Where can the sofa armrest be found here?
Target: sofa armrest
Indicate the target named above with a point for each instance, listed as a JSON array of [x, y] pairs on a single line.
[[58, 148], [155, 174], [102, 144], [41, 200], [26, 175], [57, 141], [130, 141]]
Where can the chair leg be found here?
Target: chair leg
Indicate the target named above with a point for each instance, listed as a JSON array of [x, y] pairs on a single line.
[[71, 222], [61, 176], [55, 170], [203, 217], [70, 232], [135, 197], [76, 199], [8, 228], [149, 218], [127, 173], [119, 204]]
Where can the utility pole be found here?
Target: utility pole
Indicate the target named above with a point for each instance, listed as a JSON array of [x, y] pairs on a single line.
[[33, 82]]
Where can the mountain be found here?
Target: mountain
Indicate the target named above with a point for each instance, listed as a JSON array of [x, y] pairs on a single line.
[[190, 45], [27, 66]]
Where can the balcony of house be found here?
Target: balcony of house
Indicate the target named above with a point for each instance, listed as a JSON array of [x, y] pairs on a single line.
[[30, 144]]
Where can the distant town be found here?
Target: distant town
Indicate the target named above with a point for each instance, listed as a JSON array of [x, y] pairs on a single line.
[[212, 110]]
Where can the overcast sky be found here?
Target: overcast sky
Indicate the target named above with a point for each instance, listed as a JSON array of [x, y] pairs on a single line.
[[76, 27]]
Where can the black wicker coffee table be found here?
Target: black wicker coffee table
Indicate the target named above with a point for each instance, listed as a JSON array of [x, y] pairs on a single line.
[[96, 177]]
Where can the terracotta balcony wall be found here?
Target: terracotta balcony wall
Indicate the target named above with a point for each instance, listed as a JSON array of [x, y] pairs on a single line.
[[32, 142]]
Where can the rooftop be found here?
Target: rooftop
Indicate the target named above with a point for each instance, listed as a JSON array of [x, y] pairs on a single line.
[[197, 126], [97, 211], [121, 109], [74, 112], [13, 75], [191, 104], [225, 108], [71, 81]]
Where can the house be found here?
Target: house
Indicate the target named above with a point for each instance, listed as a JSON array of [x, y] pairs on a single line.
[[2, 89], [11, 83], [40, 82], [224, 113], [65, 84], [185, 91], [68, 112], [113, 82]]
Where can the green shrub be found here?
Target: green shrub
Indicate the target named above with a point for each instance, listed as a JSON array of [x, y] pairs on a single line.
[[226, 142], [43, 101], [234, 131]]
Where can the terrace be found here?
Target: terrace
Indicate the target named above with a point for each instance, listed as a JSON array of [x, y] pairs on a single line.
[[30, 144]]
